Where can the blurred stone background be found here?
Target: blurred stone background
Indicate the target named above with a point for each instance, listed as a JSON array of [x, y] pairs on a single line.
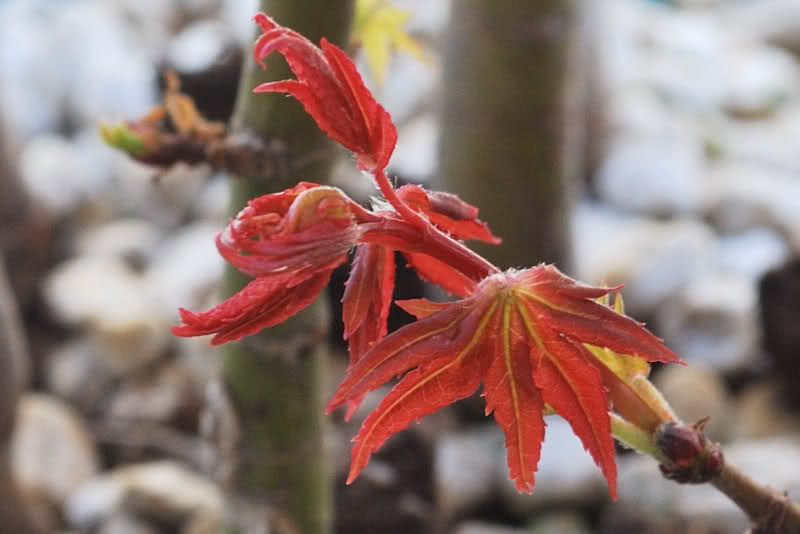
[[691, 198]]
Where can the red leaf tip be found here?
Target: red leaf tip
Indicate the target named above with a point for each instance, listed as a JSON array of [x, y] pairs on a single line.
[[331, 90]]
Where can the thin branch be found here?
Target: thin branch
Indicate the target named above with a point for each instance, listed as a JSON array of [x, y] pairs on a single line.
[[769, 510], [692, 459]]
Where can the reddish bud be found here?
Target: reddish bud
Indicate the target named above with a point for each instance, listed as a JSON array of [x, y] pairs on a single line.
[[691, 458]]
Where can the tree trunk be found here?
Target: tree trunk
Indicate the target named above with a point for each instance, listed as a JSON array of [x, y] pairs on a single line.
[[14, 373], [274, 379], [15, 223], [503, 137]]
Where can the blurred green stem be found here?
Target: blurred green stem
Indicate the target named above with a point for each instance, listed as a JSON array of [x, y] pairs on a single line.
[[634, 437], [275, 378]]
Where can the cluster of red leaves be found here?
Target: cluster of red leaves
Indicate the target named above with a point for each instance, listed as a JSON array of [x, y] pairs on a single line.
[[520, 333]]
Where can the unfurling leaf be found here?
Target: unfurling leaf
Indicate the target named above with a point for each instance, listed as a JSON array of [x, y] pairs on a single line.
[[290, 242]]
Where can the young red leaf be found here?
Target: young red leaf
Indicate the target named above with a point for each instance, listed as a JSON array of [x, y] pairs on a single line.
[[366, 302], [448, 213], [264, 302], [438, 272], [368, 297], [440, 382], [331, 91], [421, 308], [513, 397], [521, 334]]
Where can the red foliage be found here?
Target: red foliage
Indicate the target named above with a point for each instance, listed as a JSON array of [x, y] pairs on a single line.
[[291, 242], [521, 334], [331, 91]]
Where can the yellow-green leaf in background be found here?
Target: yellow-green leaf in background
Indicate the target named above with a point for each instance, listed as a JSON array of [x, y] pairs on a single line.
[[122, 137], [378, 28]]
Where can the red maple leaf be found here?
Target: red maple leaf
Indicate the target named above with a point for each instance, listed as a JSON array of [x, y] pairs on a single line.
[[521, 334], [331, 91], [532, 337]]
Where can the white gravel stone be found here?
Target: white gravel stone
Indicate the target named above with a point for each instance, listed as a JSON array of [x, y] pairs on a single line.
[[238, 15], [214, 201], [775, 21], [695, 392], [463, 465], [164, 198], [123, 523], [114, 304], [111, 69], [750, 253], [565, 522], [566, 474], [163, 489], [656, 176], [57, 175], [198, 46], [408, 86], [416, 157], [769, 144], [712, 320], [130, 239], [151, 21], [187, 268], [761, 412], [200, 8], [638, 111], [52, 451], [154, 398], [76, 372], [747, 195], [653, 259], [31, 99], [758, 79]]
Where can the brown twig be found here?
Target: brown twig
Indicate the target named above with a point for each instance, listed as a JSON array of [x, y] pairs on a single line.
[[770, 511], [693, 459]]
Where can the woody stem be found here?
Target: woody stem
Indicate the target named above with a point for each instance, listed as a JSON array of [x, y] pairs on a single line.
[[768, 509]]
